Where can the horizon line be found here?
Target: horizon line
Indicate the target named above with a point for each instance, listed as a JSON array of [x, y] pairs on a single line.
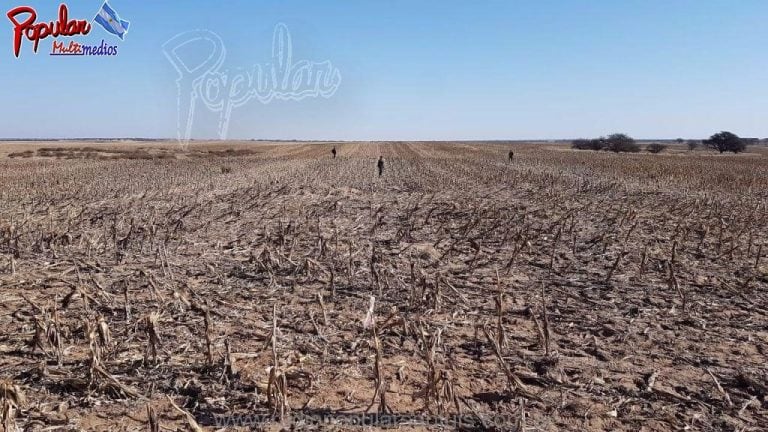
[[18, 139]]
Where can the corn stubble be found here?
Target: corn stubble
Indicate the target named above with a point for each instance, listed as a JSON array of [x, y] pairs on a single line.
[[564, 291]]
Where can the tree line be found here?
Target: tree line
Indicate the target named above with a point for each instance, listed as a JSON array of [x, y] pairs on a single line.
[[622, 143]]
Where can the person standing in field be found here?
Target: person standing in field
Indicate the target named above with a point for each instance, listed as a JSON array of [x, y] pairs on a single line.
[[333, 152], [380, 164], [511, 155]]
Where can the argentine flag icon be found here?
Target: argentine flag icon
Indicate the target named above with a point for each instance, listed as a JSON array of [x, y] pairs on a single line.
[[112, 23]]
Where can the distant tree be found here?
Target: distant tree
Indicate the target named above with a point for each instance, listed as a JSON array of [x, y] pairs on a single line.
[[580, 144], [692, 144], [597, 143], [655, 148], [588, 144], [619, 142], [679, 140], [726, 141]]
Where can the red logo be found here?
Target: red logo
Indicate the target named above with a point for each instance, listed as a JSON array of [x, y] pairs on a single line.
[[36, 32]]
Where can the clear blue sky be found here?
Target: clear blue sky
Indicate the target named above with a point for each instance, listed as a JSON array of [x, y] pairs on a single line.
[[416, 70]]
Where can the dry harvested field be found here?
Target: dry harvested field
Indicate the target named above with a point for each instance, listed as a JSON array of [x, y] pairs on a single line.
[[149, 288]]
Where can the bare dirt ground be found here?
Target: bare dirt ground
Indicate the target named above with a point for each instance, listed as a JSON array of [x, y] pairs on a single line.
[[562, 291]]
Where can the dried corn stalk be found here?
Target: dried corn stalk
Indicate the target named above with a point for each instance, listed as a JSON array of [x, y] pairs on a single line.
[[277, 387], [11, 400], [151, 327]]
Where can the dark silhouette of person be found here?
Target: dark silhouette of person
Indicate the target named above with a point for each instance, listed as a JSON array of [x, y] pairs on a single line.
[[511, 155], [380, 164], [333, 152]]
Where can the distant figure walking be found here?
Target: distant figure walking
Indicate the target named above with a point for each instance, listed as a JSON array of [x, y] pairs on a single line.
[[380, 164], [333, 152], [511, 155]]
